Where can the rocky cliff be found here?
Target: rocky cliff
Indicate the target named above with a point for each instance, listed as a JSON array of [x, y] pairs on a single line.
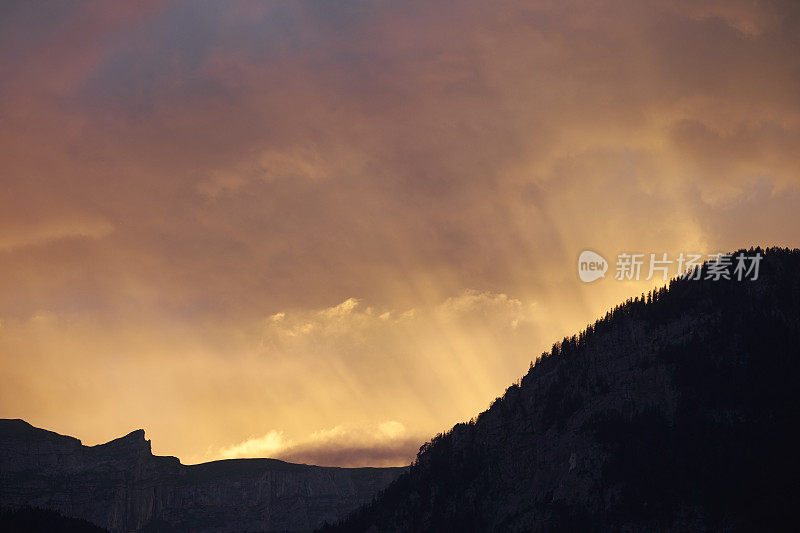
[[123, 487]]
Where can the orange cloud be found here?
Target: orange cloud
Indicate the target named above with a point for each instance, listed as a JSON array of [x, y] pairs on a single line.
[[383, 444]]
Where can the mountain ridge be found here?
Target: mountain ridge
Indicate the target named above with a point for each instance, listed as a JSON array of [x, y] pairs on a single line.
[[675, 411], [121, 486]]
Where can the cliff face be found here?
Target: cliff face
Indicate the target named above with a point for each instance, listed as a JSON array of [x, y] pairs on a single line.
[[675, 412], [123, 487]]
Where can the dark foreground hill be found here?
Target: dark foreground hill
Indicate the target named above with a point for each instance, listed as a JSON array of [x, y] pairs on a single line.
[[122, 487], [33, 520], [678, 411]]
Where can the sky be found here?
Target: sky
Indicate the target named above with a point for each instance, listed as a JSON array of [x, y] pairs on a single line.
[[326, 230]]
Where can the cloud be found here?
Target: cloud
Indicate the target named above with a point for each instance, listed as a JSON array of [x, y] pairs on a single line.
[[384, 444], [14, 236], [265, 446], [752, 18]]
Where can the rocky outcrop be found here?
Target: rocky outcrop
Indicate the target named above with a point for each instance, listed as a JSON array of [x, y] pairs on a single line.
[[123, 487]]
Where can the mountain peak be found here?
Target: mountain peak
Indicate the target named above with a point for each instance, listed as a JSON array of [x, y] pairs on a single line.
[[136, 434], [132, 443]]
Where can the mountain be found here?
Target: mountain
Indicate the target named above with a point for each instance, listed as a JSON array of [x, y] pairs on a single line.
[[31, 520], [122, 486], [677, 411]]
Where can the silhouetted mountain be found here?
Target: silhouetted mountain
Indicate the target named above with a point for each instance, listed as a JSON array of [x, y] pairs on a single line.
[[676, 411], [123, 487], [31, 520]]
